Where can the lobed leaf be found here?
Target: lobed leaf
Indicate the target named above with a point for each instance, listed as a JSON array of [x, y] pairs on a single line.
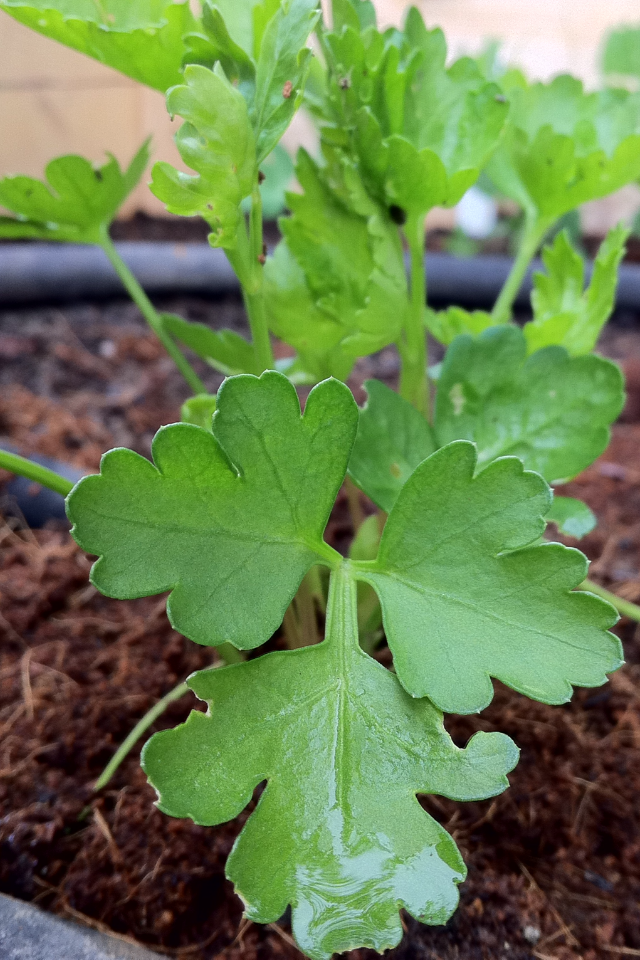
[[141, 38], [564, 313], [76, 202], [393, 438], [465, 598], [572, 517], [446, 325], [338, 832], [229, 522], [551, 410], [218, 143], [225, 350], [563, 147], [334, 286]]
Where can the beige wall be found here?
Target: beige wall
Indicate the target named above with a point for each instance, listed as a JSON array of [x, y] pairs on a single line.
[[55, 101]]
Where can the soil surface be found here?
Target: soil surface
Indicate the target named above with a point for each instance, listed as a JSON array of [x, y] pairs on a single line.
[[554, 863]]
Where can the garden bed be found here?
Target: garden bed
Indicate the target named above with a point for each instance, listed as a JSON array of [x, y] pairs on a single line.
[[554, 863]]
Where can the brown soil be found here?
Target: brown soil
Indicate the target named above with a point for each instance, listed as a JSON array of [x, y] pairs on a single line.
[[554, 863]]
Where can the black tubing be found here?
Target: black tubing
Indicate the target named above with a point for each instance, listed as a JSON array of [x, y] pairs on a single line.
[[37, 272], [36, 503]]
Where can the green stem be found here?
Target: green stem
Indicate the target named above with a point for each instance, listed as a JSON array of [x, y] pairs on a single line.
[[227, 653], [624, 607], [414, 383], [533, 235], [150, 314], [141, 727], [33, 471]]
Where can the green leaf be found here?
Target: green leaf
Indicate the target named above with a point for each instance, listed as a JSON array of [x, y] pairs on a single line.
[[76, 202], [564, 313], [551, 410], [229, 522], [226, 351], [563, 147], [141, 38], [572, 517], [199, 410], [446, 325], [218, 143], [338, 833], [621, 55], [336, 287], [464, 598], [357, 14], [392, 439], [422, 131], [281, 71]]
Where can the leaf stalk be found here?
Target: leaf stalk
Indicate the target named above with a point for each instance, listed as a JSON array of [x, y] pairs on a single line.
[[35, 471], [534, 232], [414, 382], [150, 313], [624, 607]]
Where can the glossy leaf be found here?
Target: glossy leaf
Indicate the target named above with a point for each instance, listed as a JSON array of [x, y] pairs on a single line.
[[229, 522], [338, 833], [225, 350], [76, 202], [572, 517], [551, 410], [218, 143], [393, 438], [446, 325], [141, 38], [464, 598], [563, 147], [336, 288], [564, 312]]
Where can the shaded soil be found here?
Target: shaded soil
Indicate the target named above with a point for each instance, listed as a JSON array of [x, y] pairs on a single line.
[[554, 863]]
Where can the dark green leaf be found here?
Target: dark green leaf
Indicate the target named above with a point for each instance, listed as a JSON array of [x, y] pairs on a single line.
[[464, 598], [551, 410], [230, 523], [392, 439]]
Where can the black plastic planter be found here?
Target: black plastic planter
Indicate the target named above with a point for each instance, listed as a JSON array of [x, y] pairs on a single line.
[[27, 933], [37, 272]]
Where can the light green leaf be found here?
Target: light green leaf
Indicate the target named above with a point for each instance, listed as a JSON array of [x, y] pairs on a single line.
[[221, 38], [199, 410], [357, 14], [446, 325], [141, 38], [563, 147], [336, 287], [218, 143], [564, 313], [225, 350], [338, 832], [572, 517], [464, 598], [229, 522], [423, 132], [281, 71], [76, 202], [392, 439], [621, 54], [551, 410]]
